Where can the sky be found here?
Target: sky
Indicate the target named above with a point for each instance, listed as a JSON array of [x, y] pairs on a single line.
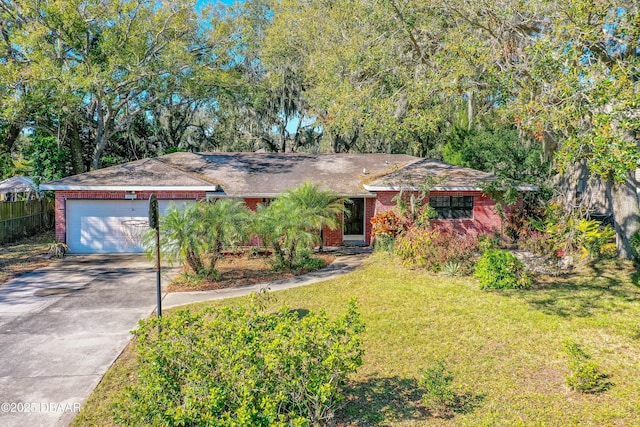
[[201, 3]]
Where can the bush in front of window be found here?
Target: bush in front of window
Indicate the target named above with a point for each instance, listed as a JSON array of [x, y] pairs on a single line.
[[435, 248], [500, 269]]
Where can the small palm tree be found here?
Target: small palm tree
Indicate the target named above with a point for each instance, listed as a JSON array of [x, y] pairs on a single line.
[[222, 224], [177, 238], [197, 233], [318, 208], [292, 222]]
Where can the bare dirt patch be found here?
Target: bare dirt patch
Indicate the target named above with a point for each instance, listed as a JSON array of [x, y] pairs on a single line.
[[238, 270], [24, 256]]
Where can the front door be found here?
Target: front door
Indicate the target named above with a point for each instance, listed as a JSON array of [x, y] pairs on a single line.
[[354, 221]]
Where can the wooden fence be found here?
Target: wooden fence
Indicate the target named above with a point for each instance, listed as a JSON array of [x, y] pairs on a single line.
[[25, 218]]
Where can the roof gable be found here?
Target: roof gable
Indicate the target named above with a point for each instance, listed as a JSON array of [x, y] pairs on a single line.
[[446, 176]]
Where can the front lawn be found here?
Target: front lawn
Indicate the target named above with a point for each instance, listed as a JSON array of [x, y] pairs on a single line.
[[504, 348]]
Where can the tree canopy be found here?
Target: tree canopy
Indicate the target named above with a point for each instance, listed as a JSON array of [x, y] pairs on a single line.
[[115, 80]]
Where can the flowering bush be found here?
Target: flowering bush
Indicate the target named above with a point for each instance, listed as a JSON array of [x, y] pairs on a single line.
[[385, 224], [435, 248]]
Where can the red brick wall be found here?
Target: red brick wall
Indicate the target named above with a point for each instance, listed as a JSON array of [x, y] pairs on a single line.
[[485, 217], [370, 211], [62, 196], [332, 237]]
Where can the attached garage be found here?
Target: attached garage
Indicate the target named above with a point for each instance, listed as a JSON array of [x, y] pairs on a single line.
[[100, 226]]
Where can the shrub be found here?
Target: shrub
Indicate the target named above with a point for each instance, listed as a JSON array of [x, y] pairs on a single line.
[[385, 224], [58, 250], [438, 395], [596, 241], [241, 366], [523, 220], [384, 243], [584, 375], [500, 269], [307, 262], [635, 245], [434, 248], [538, 242]]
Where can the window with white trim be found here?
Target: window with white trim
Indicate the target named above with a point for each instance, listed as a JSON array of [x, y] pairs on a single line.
[[452, 207]]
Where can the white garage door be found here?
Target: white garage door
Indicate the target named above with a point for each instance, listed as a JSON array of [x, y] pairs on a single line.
[[96, 226]]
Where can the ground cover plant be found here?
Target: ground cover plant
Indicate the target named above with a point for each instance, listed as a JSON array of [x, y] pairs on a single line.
[[504, 350], [24, 256]]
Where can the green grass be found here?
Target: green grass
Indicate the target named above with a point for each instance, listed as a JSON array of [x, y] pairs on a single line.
[[504, 348]]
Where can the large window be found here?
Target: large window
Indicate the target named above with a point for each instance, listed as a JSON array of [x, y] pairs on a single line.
[[452, 207]]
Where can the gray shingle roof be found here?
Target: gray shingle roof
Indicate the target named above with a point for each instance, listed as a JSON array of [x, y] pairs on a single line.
[[267, 174]]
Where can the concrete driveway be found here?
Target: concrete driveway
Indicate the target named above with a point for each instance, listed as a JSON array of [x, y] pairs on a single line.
[[61, 328]]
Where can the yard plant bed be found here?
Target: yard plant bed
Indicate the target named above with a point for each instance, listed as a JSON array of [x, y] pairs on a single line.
[[24, 256], [504, 349], [239, 269]]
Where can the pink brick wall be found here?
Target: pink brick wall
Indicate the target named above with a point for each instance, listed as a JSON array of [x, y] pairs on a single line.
[[485, 216]]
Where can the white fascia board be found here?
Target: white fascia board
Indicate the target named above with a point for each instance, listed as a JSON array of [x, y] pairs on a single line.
[[125, 188], [398, 188], [409, 188], [274, 195]]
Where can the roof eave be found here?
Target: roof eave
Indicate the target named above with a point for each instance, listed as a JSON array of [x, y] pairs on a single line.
[[439, 188], [274, 195], [71, 187]]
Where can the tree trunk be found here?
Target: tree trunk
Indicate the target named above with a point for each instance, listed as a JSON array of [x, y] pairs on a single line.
[[10, 138], [626, 212], [103, 133], [471, 110], [75, 144]]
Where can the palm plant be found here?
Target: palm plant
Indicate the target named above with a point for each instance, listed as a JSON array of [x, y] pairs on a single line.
[[319, 208], [197, 233], [178, 241], [291, 223], [221, 224]]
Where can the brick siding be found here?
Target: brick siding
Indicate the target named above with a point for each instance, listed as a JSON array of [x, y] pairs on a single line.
[[485, 216]]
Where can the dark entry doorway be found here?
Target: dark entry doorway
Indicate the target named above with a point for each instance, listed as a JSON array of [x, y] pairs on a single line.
[[354, 221]]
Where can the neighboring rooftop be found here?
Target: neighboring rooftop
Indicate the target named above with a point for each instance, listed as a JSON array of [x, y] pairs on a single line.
[[269, 174], [11, 187]]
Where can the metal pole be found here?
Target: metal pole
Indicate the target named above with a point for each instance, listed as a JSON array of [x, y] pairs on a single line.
[[158, 291]]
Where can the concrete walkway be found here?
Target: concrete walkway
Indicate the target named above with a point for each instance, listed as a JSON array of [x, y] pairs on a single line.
[[63, 326], [342, 264]]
